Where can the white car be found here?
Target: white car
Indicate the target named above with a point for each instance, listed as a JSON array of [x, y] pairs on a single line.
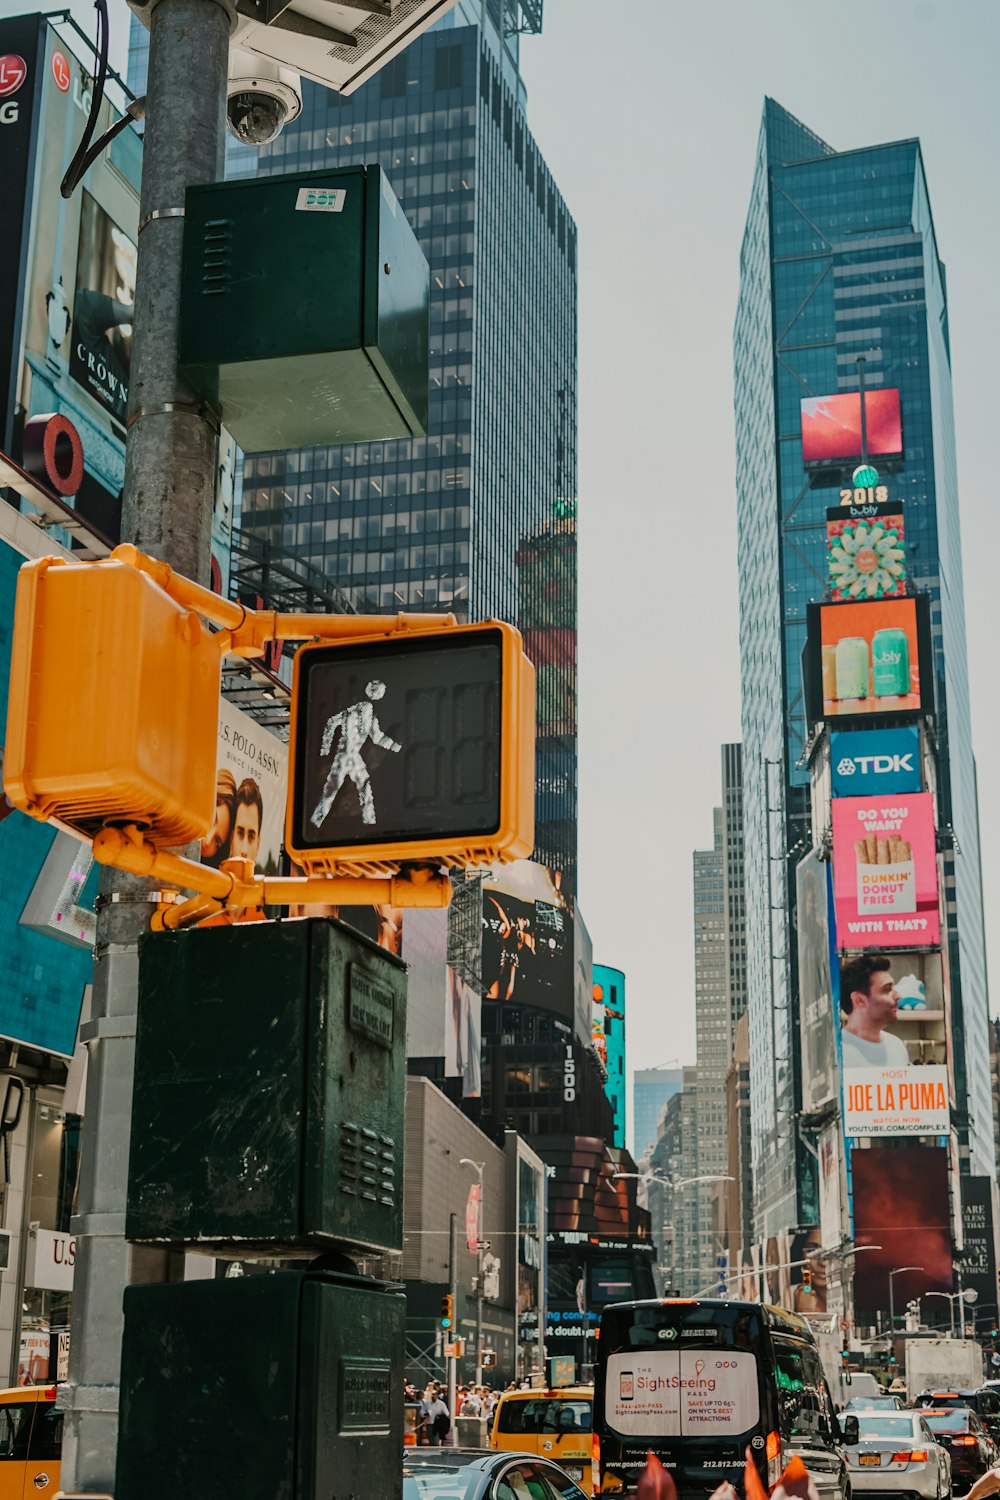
[[896, 1453]]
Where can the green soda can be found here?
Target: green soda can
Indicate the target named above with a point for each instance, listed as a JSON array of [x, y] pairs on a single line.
[[890, 663], [852, 667]]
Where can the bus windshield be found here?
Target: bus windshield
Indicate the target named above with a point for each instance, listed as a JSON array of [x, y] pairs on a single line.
[[681, 1372]]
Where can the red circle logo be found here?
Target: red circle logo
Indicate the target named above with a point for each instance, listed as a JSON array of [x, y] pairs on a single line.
[[13, 72], [60, 71]]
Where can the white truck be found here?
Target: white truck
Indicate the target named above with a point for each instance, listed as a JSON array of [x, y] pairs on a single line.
[[942, 1365]]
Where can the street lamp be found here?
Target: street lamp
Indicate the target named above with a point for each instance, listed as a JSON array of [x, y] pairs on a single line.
[[892, 1316], [674, 1185], [968, 1296], [477, 1167]]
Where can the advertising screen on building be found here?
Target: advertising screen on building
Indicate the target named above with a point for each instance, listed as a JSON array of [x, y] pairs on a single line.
[[979, 1268], [901, 1206], [874, 762], [816, 991], [892, 1045], [831, 426], [885, 883], [528, 940], [866, 659], [866, 555]]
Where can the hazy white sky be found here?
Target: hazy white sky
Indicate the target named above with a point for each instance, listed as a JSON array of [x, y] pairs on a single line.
[[648, 112]]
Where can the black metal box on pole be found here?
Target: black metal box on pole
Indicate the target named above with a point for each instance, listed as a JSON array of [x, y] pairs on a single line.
[[269, 1085]]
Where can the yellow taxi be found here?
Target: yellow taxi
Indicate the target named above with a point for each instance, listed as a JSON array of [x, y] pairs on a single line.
[[556, 1424], [30, 1442]]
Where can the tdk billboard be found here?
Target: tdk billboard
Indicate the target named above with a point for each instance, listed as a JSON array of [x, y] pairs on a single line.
[[869, 762]]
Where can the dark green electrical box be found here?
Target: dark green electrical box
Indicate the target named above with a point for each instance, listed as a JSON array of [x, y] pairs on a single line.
[[267, 1387], [304, 309], [270, 1075]]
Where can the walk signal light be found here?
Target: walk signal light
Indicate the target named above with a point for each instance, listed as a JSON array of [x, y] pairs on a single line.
[[447, 1310], [114, 703], [412, 748], [807, 1278]]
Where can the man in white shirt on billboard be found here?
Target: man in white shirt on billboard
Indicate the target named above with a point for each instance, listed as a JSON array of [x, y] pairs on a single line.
[[868, 999]]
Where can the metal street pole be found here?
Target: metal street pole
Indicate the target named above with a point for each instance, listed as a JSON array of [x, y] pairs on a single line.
[[453, 1289], [169, 480]]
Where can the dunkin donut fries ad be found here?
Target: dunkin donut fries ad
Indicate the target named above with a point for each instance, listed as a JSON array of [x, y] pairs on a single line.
[[885, 887], [682, 1393]]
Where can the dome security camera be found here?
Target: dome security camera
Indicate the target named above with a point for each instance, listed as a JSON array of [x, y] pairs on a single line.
[[261, 98]]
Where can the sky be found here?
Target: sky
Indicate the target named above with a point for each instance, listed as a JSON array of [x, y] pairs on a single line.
[[648, 113], [649, 125]]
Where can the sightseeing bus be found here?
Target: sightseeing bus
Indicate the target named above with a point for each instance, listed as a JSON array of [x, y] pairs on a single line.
[[702, 1382]]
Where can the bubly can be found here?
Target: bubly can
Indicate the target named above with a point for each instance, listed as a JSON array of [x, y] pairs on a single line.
[[852, 667], [890, 663]]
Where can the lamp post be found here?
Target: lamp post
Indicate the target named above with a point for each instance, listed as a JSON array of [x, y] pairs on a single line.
[[674, 1185], [892, 1316], [477, 1167], [968, 1296]]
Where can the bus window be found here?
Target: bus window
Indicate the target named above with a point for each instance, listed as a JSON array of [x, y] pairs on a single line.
[[804, 1406]]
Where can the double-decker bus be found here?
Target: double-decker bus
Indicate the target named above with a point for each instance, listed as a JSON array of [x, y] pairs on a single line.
[[703, 1382]]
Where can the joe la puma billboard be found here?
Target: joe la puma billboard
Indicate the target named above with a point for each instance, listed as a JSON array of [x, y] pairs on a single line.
[[873, 762]]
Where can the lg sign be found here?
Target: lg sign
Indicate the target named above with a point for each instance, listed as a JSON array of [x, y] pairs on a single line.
[[13, 72], [875, 761]]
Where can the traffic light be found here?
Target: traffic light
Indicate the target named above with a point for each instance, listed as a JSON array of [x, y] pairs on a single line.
[[447, 1311], [412, 748], [807, 1277], [114, 703], [489, 1358]]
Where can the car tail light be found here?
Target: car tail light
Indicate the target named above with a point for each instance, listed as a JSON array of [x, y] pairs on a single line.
[[962, 1440], [919, 1456], [49, 1393], [773, 1445]]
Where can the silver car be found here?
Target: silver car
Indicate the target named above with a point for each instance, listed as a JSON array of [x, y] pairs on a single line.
[[896, 1453]]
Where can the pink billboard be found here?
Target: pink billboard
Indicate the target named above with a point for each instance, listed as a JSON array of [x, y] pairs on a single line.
[[885, 887], [831, 425]]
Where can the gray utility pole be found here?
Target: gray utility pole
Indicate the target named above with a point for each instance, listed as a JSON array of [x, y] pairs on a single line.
[[169, 481], [453, 1289]]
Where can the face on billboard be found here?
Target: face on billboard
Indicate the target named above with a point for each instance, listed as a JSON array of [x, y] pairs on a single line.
[[528, 940], [250, 792], [885, 872], [873, 762], [901, 1206], [892, 1045], [101, 335], [831, 425], [869, 658], [866, 557]]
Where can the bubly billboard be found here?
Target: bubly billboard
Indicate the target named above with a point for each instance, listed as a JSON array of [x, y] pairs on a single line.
[[831, 425], [873, 762], [866, 555], [885, 889], [866, 660]]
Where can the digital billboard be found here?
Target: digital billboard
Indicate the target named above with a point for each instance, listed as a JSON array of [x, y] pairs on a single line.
[[979, 1268], [866, 554], [892, 1045], [528, 954], [831, 426], [865, 660], [874, 762], [885, 885], [900, 1207], [463, 1033]]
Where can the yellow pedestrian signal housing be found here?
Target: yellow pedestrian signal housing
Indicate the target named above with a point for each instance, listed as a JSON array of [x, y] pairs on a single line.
[[114, 703], [447, 1310], [412, 748]]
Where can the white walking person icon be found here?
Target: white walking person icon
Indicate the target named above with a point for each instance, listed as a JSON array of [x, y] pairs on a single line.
[[357, 726]]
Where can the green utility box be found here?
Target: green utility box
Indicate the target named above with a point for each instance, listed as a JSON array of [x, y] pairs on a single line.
[[270, 1387], [270, 1074], [304, 309]]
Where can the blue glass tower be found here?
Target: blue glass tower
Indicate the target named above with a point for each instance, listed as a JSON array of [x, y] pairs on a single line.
[[840, 260]]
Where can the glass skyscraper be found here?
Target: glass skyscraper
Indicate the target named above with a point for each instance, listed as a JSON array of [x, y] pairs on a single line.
[[840, 260]]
